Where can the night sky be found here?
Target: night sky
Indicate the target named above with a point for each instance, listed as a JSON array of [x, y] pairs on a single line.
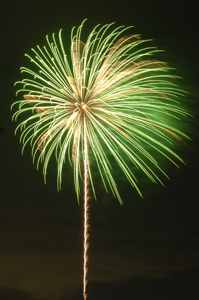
[[146, 249]]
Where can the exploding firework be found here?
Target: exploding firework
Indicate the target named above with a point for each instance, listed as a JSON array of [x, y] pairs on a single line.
[[109, 98]]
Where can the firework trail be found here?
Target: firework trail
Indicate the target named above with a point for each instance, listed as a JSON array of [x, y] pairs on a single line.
[[110, 98], [86, 213]]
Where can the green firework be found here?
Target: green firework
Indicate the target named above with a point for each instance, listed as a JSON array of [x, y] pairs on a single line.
[[111, 93]]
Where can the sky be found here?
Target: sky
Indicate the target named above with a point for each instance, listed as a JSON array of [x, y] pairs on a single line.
[[146, 248]]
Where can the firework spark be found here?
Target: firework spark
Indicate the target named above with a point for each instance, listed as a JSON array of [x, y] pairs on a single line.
[[109, 99]]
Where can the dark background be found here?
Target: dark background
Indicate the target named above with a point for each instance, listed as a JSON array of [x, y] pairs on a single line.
[[146, 249]]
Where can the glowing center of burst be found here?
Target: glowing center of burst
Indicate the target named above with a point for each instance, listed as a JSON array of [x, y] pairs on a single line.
[[83, 106]]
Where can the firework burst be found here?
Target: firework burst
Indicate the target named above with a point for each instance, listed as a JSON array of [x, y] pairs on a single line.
[[108, 98]]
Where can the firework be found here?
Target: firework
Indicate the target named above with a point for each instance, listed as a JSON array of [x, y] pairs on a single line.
[[109, 98]]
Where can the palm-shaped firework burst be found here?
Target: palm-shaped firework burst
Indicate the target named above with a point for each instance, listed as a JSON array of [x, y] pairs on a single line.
[[110, 99]]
